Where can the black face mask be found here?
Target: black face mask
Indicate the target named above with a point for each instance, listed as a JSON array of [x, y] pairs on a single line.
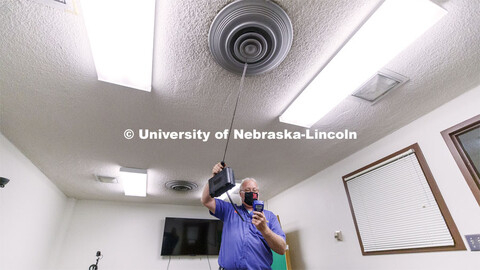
[[250, 197]]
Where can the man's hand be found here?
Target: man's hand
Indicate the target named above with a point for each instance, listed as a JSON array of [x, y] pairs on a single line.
[[260, 221], [217, 168]]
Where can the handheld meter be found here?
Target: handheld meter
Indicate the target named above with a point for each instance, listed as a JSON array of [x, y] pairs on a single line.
[[258, 206]]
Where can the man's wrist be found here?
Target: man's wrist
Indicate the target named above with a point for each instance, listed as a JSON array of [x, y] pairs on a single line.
[[265, 230]]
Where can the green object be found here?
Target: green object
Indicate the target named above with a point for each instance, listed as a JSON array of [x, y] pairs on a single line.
[[279, 261]]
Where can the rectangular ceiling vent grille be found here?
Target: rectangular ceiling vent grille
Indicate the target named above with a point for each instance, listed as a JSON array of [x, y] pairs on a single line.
[[66, 5], [379, 85], [106, 179]]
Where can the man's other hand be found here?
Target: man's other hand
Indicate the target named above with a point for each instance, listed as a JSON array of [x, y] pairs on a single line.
[[260, 221]]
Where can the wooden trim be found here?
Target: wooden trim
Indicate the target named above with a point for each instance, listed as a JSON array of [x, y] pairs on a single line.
[[353, 215], [458, 242], [468, 170], [379, 161], [459, 245], [287, 253]]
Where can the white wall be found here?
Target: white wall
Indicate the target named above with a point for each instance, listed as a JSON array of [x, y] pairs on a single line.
[[31, 212], [312, 210], [128, 234], [40, 228]]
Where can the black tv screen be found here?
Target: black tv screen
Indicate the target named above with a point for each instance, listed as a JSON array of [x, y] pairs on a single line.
[[188, 236]]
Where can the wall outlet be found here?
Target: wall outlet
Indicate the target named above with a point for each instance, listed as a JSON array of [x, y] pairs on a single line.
[[338, 235], [473, 241]]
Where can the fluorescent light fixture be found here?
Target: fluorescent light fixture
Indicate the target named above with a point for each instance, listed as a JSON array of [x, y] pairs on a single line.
[[121, 39], [395, 25], [234, 190], [134, 181]]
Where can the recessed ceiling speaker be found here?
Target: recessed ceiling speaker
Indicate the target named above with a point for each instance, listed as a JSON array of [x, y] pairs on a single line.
[[181, 185], [256, 32]]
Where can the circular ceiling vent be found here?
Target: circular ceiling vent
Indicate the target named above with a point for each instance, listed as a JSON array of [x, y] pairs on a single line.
[[258, 32], [180, 185]]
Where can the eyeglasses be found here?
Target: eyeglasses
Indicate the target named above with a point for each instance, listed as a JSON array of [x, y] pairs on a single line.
[[249, 190]]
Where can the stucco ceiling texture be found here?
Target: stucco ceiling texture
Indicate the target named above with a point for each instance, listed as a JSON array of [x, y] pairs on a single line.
[[71, 126]]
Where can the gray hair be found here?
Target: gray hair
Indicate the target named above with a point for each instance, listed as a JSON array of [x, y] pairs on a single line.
[[248, 179]]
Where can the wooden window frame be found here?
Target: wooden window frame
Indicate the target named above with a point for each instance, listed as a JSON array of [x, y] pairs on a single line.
[[466, 166], [458, 242]]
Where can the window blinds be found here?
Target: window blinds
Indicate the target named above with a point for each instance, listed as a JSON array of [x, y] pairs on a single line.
[[394, 207]]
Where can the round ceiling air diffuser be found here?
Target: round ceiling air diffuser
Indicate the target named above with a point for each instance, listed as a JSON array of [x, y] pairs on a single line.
[[180, 185], [256, 32]]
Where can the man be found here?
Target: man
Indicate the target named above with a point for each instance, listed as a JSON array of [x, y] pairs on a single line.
[[245, 244]]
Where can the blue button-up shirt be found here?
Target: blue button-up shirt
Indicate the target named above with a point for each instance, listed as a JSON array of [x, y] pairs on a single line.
[[243, 246]]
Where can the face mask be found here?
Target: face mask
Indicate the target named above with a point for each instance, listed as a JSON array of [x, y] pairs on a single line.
[[250, 197]]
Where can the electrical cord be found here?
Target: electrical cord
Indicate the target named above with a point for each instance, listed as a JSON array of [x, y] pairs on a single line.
[[169, 258], [95, 266], [209, 266], [235, 207], [230, 132], [235, 109]]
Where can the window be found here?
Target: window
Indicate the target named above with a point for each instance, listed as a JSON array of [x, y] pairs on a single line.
[[463, 140], [397, 206]]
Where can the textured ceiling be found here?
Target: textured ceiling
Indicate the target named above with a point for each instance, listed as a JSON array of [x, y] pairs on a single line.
[[71, 125]]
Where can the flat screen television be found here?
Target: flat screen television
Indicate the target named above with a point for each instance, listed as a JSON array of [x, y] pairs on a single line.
[[189, 236]]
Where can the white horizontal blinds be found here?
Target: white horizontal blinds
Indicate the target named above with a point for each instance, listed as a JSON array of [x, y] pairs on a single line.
[[395, 209]]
